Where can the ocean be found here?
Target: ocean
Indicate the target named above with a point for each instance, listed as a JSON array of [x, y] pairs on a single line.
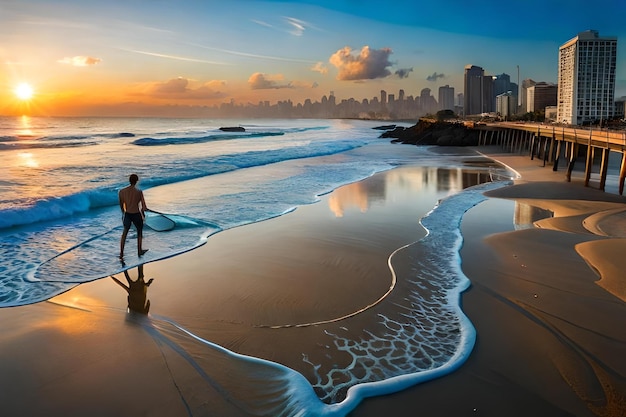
[[59, 179]]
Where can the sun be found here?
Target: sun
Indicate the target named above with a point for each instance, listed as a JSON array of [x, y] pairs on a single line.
[[24, 91]]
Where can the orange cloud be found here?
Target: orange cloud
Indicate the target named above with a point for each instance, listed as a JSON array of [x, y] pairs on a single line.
[[368, 64], [80, 61], [178, 88], [258, 81]]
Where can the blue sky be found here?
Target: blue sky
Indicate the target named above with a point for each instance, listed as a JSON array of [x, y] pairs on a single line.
[[84, 56]]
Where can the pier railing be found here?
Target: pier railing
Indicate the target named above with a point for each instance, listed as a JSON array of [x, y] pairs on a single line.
[[554, 141]]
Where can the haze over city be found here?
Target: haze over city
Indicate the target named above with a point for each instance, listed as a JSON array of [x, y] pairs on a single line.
[[165, 58]]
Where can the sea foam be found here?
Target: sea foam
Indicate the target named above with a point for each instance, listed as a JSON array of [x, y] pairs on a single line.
[[422, 336]]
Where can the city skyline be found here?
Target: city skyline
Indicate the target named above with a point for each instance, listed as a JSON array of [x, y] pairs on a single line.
[[150, 57]]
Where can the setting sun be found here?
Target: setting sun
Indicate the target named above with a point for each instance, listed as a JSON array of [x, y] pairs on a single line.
[[24, 91]]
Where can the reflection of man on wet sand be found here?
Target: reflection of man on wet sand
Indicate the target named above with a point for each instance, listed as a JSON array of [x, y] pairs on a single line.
[[137, 291]]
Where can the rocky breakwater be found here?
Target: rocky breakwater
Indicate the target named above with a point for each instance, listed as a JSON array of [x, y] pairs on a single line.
[[431, 132]]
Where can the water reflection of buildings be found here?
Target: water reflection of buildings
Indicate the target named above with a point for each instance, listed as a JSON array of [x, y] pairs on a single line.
[[362, 194], [460, 178], [137, 291], [525, 215]]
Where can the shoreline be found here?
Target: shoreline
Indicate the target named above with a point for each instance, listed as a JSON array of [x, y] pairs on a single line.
[[283, 270], [550, 338]]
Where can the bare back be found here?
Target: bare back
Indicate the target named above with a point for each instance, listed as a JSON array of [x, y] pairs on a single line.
[[130, 199]]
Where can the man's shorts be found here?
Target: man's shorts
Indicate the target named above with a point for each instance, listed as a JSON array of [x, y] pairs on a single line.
[[133, 218]]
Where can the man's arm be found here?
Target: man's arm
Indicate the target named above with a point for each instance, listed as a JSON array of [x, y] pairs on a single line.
[[144, 207], [121, 200]]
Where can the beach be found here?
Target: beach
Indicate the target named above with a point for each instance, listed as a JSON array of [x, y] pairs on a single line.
[[549, 332], [550, 336]]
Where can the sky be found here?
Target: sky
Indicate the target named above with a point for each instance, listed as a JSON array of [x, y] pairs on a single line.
[[142, 57]]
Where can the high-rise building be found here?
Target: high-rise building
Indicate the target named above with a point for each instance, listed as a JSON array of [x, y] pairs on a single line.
[[383, 99], [446, 98], [502, 85], [428, 102], [506, 104], [478, 91], [526, 84], [586, 79], [540, 96], [620, 108]]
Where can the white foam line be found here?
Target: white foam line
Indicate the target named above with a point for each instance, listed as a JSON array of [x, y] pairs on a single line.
[[394, 281]]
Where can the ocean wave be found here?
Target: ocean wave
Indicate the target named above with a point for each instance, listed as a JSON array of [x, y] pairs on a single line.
[[55, 208], [13, 142], [43, 145], [9, 138], [305, 129], [90, 136], [93, 258], [201, 139]]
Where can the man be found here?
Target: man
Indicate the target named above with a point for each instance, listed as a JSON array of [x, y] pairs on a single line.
[[133, 206]]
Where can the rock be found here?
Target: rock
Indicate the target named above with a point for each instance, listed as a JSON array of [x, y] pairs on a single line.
[[232, 129], [430, 132], [385, 127]]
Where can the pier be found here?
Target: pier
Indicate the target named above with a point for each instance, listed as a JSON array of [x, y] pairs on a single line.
[[553, 142]]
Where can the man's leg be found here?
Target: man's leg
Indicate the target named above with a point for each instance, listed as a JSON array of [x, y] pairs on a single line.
[[140, 251], [139, 241], [123, 242], [139, 226]]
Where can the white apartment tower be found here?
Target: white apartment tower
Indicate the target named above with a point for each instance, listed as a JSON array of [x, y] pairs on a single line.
[[586, 80]]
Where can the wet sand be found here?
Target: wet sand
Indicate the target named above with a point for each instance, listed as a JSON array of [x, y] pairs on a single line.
[[551, 337], [550, 332]]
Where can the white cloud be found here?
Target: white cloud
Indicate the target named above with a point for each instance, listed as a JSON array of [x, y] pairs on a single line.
[[261, 23], [297, 26], [80, 61], [320, 67]]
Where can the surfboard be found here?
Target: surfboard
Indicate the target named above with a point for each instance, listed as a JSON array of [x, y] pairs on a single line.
[[98, 257], [159, 222]]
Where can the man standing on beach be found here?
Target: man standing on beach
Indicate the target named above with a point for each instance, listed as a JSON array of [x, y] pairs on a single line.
[[133, 206]]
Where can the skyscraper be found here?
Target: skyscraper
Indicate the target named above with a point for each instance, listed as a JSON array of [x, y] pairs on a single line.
[[428, 102], [540, 96], [526, 84], [446, 98], [478, 91], [502, 85], [586, 80], [506, 104]]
